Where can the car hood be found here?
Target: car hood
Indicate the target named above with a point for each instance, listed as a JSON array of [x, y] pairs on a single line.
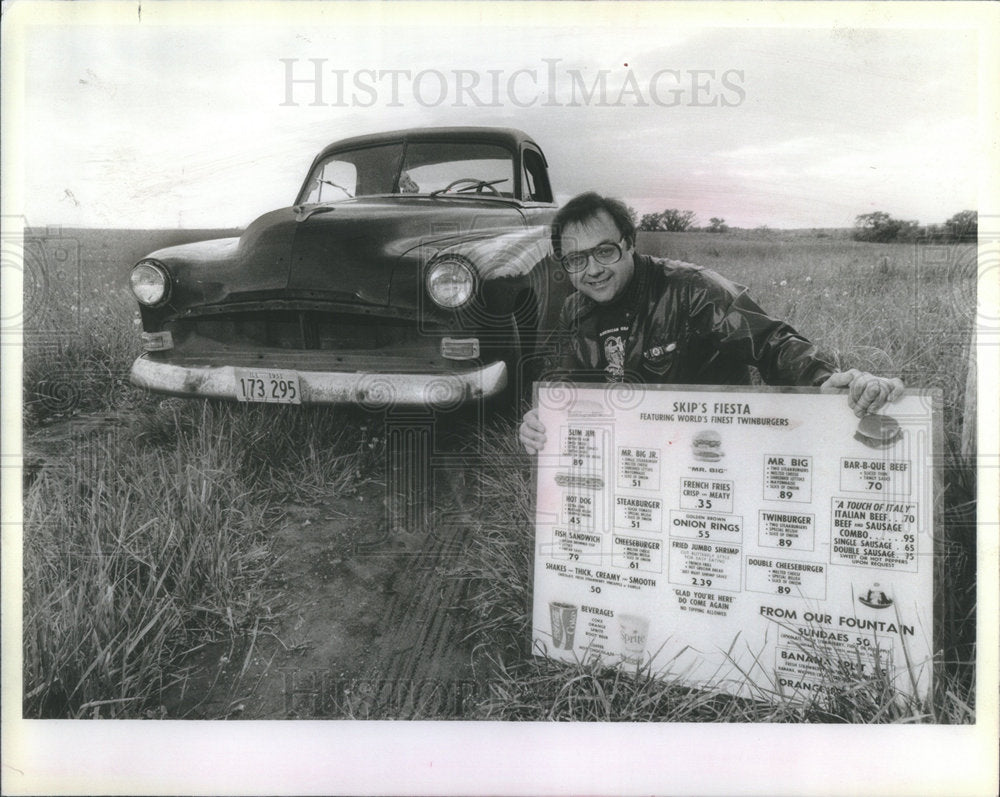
[[344, 251], [349, 250]]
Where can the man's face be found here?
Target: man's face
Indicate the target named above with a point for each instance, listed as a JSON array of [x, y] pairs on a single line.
[[602, 283]]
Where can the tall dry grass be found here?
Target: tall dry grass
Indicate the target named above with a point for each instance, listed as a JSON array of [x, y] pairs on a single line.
[[134, 556], [147, 541]]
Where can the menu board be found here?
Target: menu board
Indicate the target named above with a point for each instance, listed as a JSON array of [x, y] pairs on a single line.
[[758, 541]]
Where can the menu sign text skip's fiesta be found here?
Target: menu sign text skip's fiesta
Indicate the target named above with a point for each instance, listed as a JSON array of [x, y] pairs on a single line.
[[761, 541]]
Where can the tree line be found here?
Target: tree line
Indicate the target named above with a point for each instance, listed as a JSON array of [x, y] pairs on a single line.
[[671, 220], [880, 227], [877, 226]]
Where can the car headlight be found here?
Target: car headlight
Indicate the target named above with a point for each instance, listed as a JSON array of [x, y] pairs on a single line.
[[450, 282], [150, 283]]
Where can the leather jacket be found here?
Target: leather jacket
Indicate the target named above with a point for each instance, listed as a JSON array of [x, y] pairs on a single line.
[[682, 324]]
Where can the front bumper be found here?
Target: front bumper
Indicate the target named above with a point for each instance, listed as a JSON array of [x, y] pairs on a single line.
[[372, 390]]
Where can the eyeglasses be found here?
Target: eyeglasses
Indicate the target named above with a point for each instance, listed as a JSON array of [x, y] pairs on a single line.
[[605, 254]]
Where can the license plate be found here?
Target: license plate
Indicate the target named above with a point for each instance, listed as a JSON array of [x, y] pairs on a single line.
[[268, 387]]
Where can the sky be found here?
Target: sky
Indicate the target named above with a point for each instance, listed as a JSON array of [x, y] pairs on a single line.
[[180, 121]]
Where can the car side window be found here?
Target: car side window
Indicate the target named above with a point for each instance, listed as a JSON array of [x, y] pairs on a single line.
[[536, 178], [529, 184], [352, 173], [335, 179]]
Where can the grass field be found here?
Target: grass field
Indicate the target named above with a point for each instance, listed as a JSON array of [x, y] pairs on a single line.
[[146, 538]]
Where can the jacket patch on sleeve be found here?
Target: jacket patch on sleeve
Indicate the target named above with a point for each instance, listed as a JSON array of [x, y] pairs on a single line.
[[659, 354], [659, 359]]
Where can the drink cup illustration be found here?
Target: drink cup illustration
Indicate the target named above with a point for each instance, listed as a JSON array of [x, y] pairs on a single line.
[[634, 629], [563, 616]]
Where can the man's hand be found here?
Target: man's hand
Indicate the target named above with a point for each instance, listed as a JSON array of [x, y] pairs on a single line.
[[866, 392], [532, 432]]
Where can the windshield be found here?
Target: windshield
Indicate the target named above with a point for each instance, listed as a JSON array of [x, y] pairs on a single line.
[[466, 169]]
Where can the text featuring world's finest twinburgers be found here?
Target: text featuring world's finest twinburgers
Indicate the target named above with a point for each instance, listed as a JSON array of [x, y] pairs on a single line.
[[759, 541]]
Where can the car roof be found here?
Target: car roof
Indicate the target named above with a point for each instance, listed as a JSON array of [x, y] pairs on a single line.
[[506, 136]]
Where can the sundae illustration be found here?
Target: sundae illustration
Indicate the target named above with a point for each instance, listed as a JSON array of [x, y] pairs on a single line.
[[876, 598], [707, 446]]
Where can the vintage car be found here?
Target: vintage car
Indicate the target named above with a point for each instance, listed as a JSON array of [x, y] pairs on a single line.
[[413, 269]]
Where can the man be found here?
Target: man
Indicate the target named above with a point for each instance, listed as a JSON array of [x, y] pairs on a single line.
[[636, 318]]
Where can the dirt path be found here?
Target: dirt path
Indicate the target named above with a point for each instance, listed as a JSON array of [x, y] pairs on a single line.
[[370, 625], [371, 628]]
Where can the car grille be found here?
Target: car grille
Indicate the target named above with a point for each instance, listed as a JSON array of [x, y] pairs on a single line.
[[291, 329]]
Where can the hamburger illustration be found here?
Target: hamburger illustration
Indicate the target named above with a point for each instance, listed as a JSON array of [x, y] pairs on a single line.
[[707, 446], [878, 431], [584, 408]]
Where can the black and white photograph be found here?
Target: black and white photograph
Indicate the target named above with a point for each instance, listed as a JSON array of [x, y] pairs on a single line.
[[500, 397]]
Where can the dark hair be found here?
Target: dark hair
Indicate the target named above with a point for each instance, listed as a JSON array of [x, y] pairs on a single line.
[[581, 209]]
